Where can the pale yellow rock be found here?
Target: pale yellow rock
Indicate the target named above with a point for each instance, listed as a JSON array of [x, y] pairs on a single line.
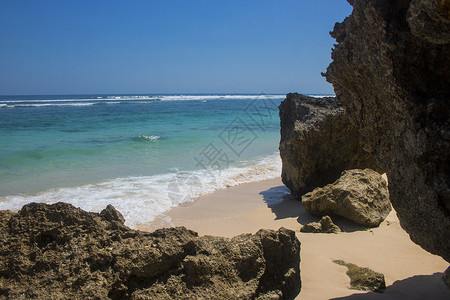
[[358, 195]]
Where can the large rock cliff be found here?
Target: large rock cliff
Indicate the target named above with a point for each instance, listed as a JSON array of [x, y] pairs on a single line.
[[318, 142], [61, 252], [391, 72]]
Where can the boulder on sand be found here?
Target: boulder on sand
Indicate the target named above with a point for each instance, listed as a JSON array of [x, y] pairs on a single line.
[[358, 195], [325, 225]]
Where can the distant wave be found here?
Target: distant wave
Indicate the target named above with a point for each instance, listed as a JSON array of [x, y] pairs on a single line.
[[146, 98], [144, 137], [136, 100], [46, 104], [128, 97], [47, 100], [217, 97], [109, 98], [321, 96], [140, 199], [107, 103]]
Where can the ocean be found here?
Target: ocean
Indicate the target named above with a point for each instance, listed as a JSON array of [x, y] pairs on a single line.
[[141, 153]]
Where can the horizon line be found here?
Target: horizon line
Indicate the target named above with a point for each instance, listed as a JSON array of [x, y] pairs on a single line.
[[168, 93]]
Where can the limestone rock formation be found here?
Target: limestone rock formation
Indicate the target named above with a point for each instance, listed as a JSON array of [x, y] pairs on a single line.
[[358, 195], [391, 72], [363, 279], [61, 252], [318, 142], [325, 225]]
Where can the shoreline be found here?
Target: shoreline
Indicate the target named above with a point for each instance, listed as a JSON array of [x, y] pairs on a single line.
[[149, 195], [410, 272]]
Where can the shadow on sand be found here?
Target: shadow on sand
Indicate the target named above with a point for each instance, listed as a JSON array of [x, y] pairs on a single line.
[[416, 287], [284, 205]]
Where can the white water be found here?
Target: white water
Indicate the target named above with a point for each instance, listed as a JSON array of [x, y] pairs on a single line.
[[140, 199]]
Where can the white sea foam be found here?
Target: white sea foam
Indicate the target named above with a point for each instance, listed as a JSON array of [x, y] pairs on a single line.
[[141, 99], [49, 104], [109, 102], [156, 97], [140, 199], [49, 100], [145, 137], [322, 96], [127, 99], [217, 97]]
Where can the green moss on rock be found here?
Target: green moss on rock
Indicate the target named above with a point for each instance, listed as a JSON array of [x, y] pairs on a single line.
[[363, 279]]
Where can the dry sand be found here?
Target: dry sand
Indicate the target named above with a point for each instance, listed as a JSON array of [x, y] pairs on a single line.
[[410, 271]]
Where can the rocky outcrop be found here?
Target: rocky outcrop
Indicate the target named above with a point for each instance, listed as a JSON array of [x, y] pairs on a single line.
[[391, 72], [446, 277], [430, 20], [358, 195], [363, 279], [325, 225], [318, 142], [61, 252]]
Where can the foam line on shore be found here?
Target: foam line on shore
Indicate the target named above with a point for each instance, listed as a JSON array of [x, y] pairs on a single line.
[[140, 199]]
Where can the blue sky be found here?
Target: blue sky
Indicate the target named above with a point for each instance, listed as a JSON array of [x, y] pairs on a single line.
[[166, 46]]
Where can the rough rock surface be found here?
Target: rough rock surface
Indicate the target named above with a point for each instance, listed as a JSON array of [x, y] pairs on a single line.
[[446, 277], [430, 20], [391, 72], [325, 225], [62, 252], [318, 142], [363, 279], [358, 195]]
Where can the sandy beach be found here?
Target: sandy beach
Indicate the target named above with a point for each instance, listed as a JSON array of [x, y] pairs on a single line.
[[410, 272]]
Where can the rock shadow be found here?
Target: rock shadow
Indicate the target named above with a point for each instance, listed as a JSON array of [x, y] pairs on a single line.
[[284, 205], [344, 224], [416, 287], [347, 225]]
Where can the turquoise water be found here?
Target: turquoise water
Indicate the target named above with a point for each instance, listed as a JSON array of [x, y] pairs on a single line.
[[142, 153], [47, 146]]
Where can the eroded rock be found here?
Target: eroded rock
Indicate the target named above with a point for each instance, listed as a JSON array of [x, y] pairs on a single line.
[[59, 251], [390, 71], [318, 142], [430, 20], [325, 225], [358, 195]]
